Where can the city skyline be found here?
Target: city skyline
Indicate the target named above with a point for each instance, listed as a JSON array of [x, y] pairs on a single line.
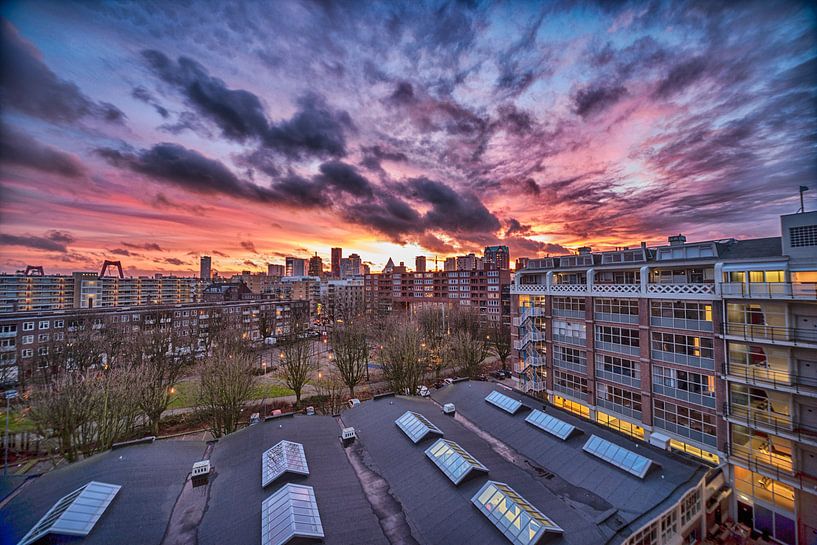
[[276, 129]]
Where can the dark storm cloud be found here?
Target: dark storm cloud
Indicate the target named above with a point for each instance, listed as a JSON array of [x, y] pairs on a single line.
[[345, 178], [29, 86], [17, 148], [373, 155], [248, 245], [34, 242], [295, 190], [173, 261], [450, 210], [184, 167], [121, 251], [315, 129], [516, 228], [62, 237], [389, 215], [594, 99]]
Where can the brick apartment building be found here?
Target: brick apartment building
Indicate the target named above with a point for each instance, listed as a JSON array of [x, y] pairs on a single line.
[[707, 348]]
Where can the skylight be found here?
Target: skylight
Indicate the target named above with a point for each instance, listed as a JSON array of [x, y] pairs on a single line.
[[618, 456], [291, 512], [284, 457], [512, 515], [416, 426], [504, 402], [453, 460], [550, 424], [74, 514]]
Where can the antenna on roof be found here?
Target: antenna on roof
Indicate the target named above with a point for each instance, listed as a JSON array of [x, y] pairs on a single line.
[[803, 189]]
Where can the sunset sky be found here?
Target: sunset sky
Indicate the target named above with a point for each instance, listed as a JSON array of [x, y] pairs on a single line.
[[154, 132]]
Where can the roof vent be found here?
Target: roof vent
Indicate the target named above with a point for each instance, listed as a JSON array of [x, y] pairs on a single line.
[[354, 402], [310, 411], [347, 436], [449, 409], [584, 250], [677, 240], [255, 418], [201, 473]]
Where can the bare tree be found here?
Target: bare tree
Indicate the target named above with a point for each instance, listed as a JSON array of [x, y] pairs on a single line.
[[402, 355], [433, 326], [226, 381], [160, 356], [468, 351], [330, 390], [298, 364], [350, 345], [499, 337]]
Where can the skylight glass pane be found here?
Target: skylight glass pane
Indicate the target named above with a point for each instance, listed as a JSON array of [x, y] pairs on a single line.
[[620, 457], [517, 519], [291, 512], [453, 460], [550, 424], [74, 514], [504, 402], [284, 457], [416, 426]]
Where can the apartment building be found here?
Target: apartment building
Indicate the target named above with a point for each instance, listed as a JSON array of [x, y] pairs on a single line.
[[21, 292], [705, 348], [28, 338], [342, 299], [403, 290]]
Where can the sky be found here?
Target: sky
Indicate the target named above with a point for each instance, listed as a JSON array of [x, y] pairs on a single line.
[[156, 132]]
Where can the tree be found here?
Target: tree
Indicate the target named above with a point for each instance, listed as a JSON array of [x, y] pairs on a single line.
[[350, 345], [329, 390], [500, 341], [226, 381], [402, 355], [160, 356], [298, 364], [469, 351], [432, 323]]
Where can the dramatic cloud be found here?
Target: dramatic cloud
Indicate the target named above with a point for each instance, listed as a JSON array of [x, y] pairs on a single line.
[[296, 126], [48, 243], [249, 246], [20, 149], [29, 86]]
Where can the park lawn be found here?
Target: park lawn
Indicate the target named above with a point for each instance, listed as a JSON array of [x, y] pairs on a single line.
[[18, 422], [185, 395]]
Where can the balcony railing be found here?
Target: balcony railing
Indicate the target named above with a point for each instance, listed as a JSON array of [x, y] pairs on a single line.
[[681, 323], [616, 317], [569, 365], [618, 408], [616, 289], [685, 431], [770, 290], [772, 333], [567, 339], [568, 289], [682, 290], [684, 395], [769, 377], [575, 394], [683, 359], [763, 456], [568, 313], [624, 380], [756, 417], [626, 349]]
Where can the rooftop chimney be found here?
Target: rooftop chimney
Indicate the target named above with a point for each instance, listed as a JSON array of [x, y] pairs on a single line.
[[677, 240], [584, 250]]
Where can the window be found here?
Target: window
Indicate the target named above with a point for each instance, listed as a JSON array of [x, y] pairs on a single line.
[[682, 345], [27, 352], [570, 384], [42, 338], [42, 351], [28, 326], [669, 526], [647, 536], [44, 324], [620, 425], [8, 343], [28, 339], [59, 336], [570, 358], [684, 385], [621, 370], [805, 235], [681, 314], [571, 406], [58, 324], [10, 328], [692, 423], [568, 303], [627, 307], [617, 335], [618, 399]]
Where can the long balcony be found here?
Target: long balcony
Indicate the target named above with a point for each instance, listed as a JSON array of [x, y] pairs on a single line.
[[682, 290], [618, 408], [765, 375], [770, 290], [569, 339], [571, 392], [617, 289], [790, 336], [653, 290], [681, 323]]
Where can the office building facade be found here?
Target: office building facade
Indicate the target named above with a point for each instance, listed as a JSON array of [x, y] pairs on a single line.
[[205, 265]]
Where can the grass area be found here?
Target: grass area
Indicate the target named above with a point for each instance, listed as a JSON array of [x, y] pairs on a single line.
[[18, 422], [186, 393]]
